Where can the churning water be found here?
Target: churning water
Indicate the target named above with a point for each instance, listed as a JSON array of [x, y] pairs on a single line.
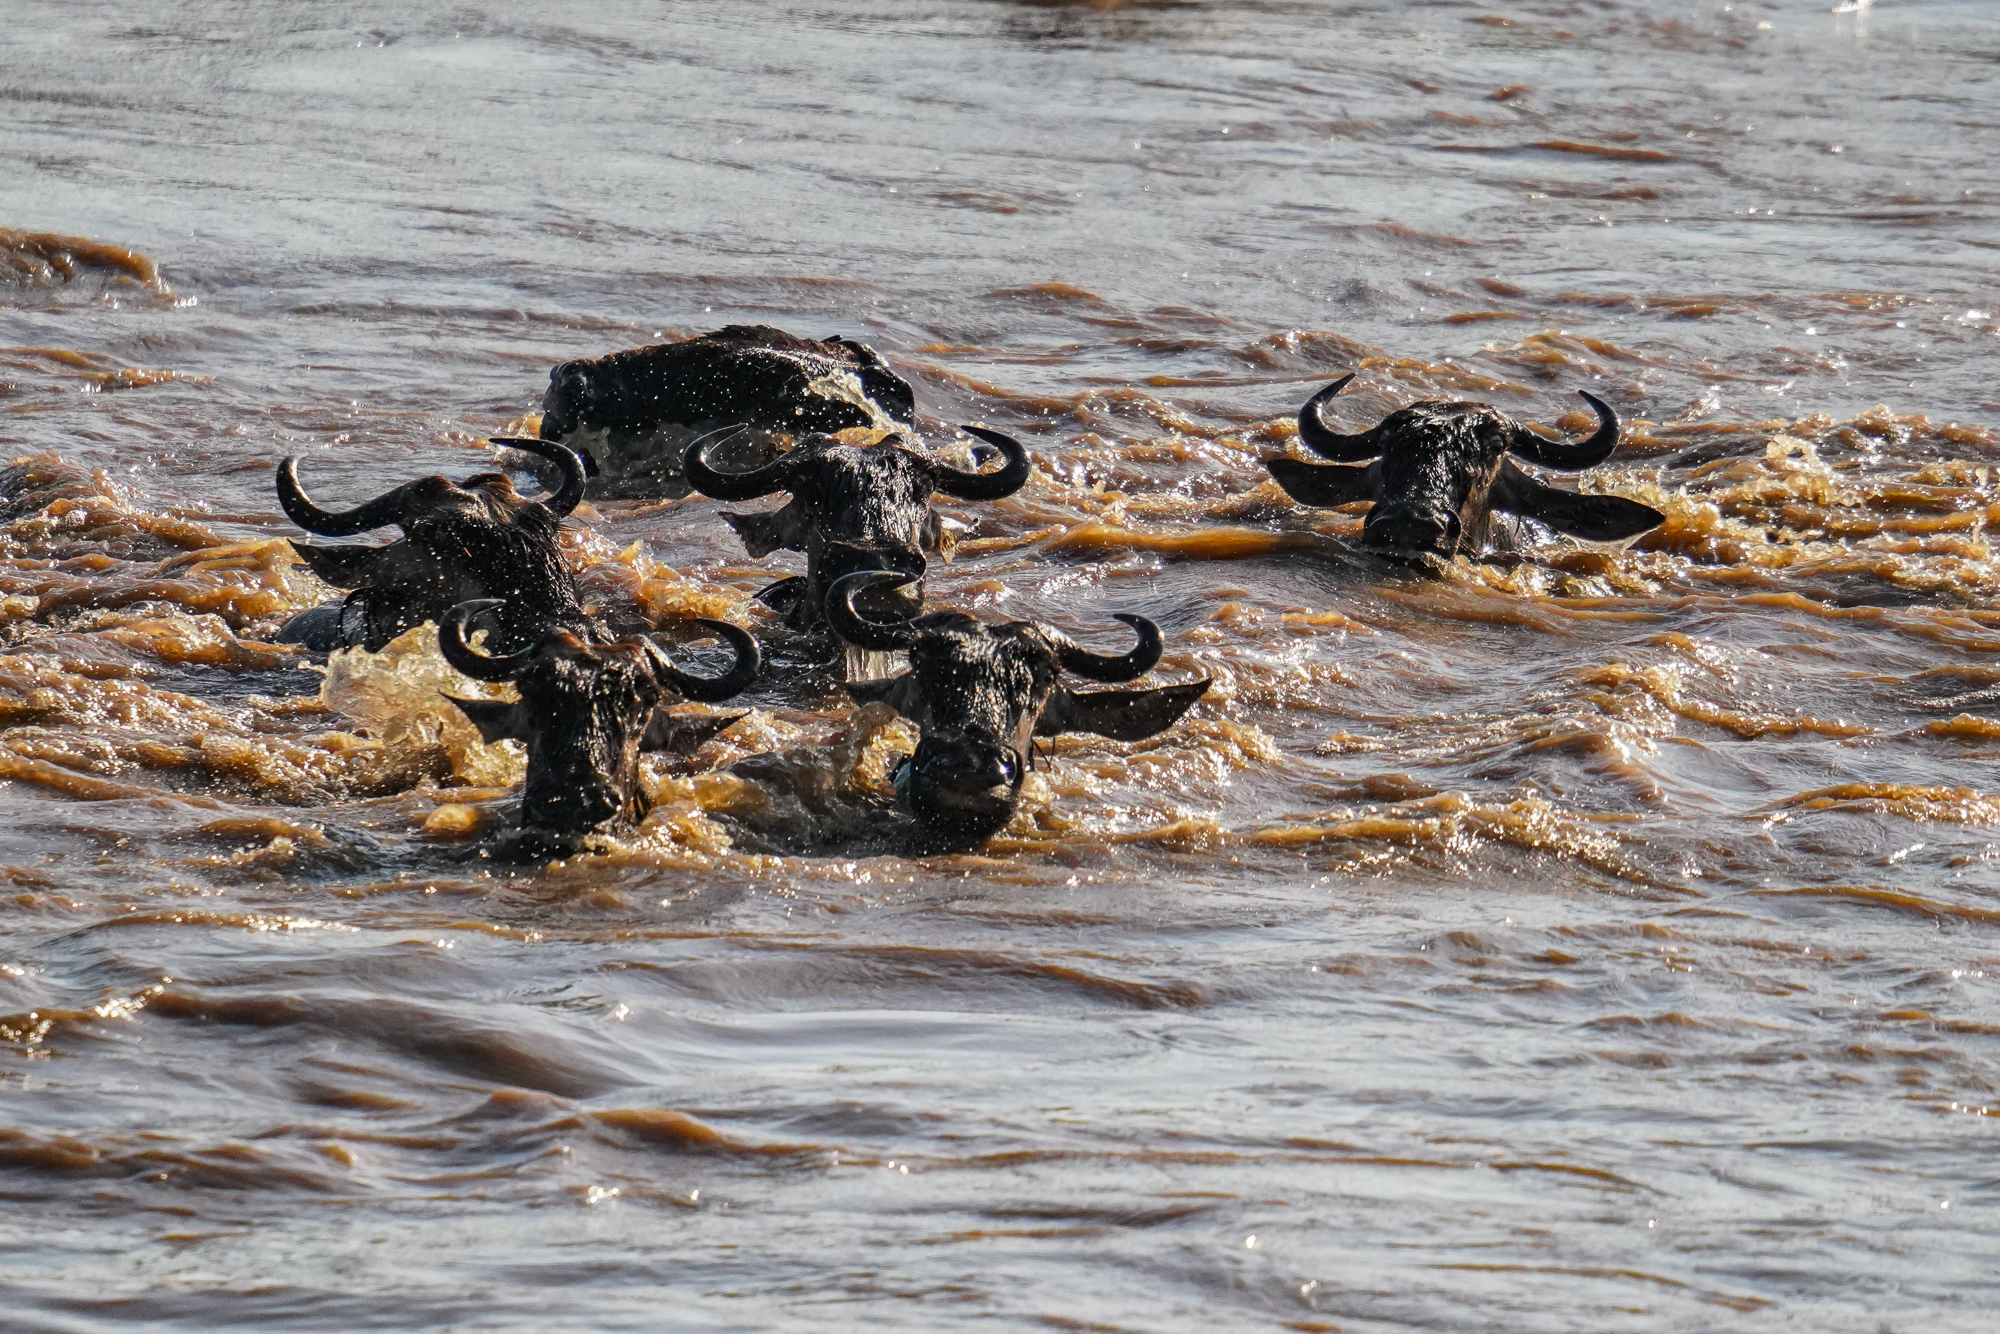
[[1578, 940]]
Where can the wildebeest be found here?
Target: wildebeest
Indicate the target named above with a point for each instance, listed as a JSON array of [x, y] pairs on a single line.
[[1437, 470], [585, 712], [853, 508], [979, 695], [461, 541], [631, 414]]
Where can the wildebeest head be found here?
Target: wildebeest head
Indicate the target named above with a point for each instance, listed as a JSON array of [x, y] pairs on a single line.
[[1437, 470], [585, 713], [979, 694], [853, 508], [461, 541]]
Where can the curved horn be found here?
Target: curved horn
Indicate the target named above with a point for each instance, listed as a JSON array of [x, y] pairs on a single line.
[[380, 512], [1104, 666], [714, 689], [1331, 444], [1564, 455], [478, 666], [773, 476], [875, 636], [565, 497], [995, 485]]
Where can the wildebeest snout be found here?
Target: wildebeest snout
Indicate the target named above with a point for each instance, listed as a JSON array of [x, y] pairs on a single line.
[[1409, 530], [572, 400], [962, 784]]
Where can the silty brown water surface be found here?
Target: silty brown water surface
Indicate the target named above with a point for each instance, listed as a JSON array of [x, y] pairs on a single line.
[[1577, 940]]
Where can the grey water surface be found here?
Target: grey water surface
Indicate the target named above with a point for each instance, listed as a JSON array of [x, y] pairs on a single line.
[[1578, 940]]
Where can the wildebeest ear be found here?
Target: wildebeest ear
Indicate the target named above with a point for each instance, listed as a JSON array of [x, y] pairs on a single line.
[[684, 733], [317, 629], [496, 719], [763, 534], [898, 692], [1323, 483], [1592, 518], [1122, 715], [346, 566]]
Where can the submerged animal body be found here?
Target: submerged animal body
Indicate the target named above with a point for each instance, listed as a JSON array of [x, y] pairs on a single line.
[[1437, 470], [979, 694], [631, 414], [853, 508], [585, 713], [461, 541]]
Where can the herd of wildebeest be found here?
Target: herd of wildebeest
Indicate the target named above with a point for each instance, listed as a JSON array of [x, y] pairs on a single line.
[[655, 422]]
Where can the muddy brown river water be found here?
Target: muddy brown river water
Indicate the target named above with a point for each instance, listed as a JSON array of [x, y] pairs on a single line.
[[1582, 939]]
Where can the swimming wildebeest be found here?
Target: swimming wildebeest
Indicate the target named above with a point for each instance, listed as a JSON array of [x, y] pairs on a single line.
[[979, 694], [852, 508], [585, 712], [461, 541], [631, 414], [1437, 470]]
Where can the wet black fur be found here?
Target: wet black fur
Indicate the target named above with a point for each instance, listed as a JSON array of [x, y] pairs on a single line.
[[745, 374]]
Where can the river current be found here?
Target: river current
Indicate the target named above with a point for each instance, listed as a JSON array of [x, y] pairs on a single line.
[[1576, 939]]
